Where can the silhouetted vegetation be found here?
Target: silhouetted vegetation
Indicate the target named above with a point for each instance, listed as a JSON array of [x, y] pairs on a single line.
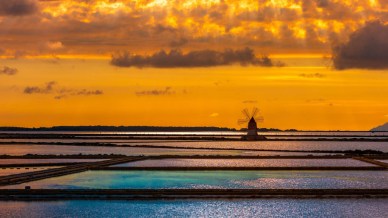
[[120, 128]]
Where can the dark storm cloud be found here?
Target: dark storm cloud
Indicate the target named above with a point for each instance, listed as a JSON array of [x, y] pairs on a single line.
[[8, 71], [156, 92], [367, 48], [60, 93], [200, 58], [18, 7]]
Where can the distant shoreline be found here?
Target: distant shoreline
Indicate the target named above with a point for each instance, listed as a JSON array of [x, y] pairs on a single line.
[[156, 129], [118, 128]]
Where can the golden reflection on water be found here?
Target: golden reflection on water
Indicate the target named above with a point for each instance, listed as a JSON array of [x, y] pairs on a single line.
[[181, 162]]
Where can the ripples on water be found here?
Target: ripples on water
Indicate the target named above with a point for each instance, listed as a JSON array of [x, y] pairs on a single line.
[[22, 149], [200, 208]]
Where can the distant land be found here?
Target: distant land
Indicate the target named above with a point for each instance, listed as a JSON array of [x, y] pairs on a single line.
[[130, 129], [118, 128], [380, 128]]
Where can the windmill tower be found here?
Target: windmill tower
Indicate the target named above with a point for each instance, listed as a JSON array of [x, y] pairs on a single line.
[[250, 119]]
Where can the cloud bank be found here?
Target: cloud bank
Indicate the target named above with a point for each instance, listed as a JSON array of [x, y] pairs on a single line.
[[18, 7], [8, 71], [47, 88], [59, 92], [367, 48], [200, 58], [103, 26]]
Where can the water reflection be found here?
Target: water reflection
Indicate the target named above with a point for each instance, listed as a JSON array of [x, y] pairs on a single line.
[[213, 179], [200, 208], [185, 162]]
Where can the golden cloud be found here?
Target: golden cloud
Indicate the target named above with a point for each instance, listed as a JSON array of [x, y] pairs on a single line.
[[103, 26]]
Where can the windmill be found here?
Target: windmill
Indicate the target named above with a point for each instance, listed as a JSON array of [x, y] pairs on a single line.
[[251, 118]]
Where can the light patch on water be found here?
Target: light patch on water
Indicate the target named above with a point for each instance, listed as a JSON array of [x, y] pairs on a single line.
[[187, 162]]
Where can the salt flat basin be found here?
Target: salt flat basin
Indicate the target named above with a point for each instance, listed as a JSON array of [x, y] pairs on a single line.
[[23, 149], [189, 162], [12, 171], [198, 208], [148, 179], [275, 145], [32, 161], [265, 145]]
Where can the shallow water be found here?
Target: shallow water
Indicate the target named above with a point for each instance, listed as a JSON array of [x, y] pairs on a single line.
[[213, 179], [199, 208], [181, 162]]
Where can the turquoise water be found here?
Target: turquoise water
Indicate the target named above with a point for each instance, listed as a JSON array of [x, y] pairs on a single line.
[[213, 179], [199, 208]]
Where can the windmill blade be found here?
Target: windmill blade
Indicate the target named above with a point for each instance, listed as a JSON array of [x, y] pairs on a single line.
[[259, 119], [246, 113], [255, 110], [242, 121]]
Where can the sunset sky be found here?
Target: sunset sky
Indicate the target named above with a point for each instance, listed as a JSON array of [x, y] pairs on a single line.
[[307, 64]]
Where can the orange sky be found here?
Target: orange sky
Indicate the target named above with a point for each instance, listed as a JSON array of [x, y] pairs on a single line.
[[56, 65]]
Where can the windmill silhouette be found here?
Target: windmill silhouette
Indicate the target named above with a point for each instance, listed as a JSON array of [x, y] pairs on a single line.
[[251, 118]]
